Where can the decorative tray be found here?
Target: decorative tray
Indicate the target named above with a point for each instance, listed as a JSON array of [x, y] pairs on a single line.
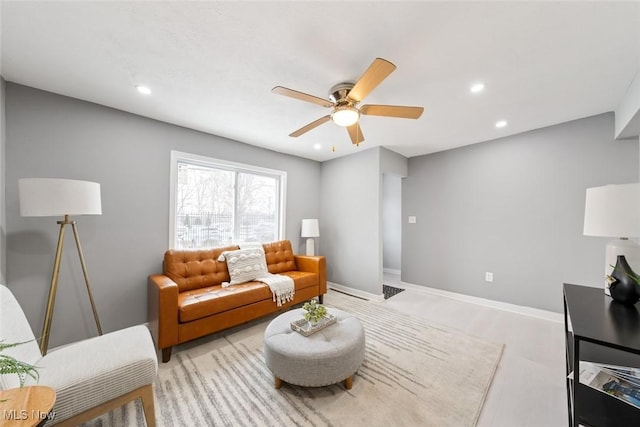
[[305, 328]]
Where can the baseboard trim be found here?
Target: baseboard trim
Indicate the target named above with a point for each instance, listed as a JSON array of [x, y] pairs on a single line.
[[355, 292], [391, 271], [504, 306]]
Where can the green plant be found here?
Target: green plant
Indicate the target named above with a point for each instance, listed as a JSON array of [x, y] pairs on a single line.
[[11, 366], [314, 312]]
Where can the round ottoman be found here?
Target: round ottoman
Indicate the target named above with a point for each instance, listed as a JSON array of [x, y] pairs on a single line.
[[326, 357]]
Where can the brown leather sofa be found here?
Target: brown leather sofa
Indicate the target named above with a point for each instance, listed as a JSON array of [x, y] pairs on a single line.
[[188, 300]]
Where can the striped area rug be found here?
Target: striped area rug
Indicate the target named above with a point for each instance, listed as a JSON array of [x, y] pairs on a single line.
[[415, 374]]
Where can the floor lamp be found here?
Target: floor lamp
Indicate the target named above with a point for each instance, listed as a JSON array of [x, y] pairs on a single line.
[[60, 197]]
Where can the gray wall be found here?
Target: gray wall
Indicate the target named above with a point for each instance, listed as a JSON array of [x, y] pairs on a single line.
[[514, 207], [393, 163], [350, 220], [391, 222], [54, 136], [393, 167], [3, 215], [351, 225]]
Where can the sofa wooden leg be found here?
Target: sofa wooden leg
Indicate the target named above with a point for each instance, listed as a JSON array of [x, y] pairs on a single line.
[[148, 405], [348, 383], [320, 298], [166, 354]]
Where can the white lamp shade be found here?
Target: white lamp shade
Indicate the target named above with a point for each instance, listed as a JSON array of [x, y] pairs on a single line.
[[310, 228], [613, 211], [58, 197]]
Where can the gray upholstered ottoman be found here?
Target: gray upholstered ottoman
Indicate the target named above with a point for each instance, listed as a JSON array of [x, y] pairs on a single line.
[[326, 357]]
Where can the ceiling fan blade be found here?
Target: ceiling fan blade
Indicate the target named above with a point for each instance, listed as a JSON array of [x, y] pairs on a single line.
[[392, 111], [310, 126], [355, 133], [301, 96], [376, 73]]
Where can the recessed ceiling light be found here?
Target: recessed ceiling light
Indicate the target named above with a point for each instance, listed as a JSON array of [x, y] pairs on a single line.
[[501, 123], [317, 146], [478, 87], [143, 90]]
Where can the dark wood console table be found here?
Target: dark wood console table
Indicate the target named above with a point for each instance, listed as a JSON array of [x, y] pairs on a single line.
[[598, 329]]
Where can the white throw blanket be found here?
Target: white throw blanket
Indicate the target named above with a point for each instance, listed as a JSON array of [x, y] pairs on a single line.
[[281, 287]]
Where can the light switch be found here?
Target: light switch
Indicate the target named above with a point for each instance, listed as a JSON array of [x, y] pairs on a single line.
[[412, 220]]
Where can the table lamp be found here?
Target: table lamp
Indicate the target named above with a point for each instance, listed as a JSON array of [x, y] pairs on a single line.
[[60, 197], [310, 230], [614, 211]]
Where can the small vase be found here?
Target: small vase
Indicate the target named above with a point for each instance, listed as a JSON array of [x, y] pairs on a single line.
[[624, 289]]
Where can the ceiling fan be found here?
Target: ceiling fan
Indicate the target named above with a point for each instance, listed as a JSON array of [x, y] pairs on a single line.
[[344, 100]]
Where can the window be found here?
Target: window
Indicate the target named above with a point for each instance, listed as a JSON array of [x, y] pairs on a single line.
[[218, 203]]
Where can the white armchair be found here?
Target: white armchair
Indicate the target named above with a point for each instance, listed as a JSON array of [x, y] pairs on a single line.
[[90, 377]]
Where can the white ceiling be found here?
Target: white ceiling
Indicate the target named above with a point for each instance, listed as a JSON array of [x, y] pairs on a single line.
[[211, 65]]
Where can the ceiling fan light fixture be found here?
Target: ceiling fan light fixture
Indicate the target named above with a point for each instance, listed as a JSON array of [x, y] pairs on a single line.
[[344, 99], [345, 115]]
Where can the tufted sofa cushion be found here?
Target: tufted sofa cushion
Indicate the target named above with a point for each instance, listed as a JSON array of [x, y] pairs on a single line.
[[195, 269], [279, 257], [199, 303]]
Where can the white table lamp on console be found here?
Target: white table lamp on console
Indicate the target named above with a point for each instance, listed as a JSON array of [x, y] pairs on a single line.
[[614, 211], [310, 230]]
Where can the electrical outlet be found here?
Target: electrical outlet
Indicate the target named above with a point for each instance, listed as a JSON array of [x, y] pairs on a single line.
[[488, 277], [412, 220]]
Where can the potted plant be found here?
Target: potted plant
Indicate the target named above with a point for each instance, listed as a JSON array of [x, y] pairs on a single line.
[[9, 365], [314, 312]]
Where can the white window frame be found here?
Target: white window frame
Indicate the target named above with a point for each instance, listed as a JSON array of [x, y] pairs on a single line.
[[178, 156]]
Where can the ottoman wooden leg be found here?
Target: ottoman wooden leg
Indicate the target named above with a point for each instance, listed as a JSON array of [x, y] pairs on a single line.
[[348, 383], [278, 382]]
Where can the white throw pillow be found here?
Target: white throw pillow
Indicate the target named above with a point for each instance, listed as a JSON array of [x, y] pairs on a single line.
[[245, 265]]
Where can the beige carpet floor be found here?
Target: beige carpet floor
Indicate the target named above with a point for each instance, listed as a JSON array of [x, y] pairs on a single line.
[[415, 373]]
